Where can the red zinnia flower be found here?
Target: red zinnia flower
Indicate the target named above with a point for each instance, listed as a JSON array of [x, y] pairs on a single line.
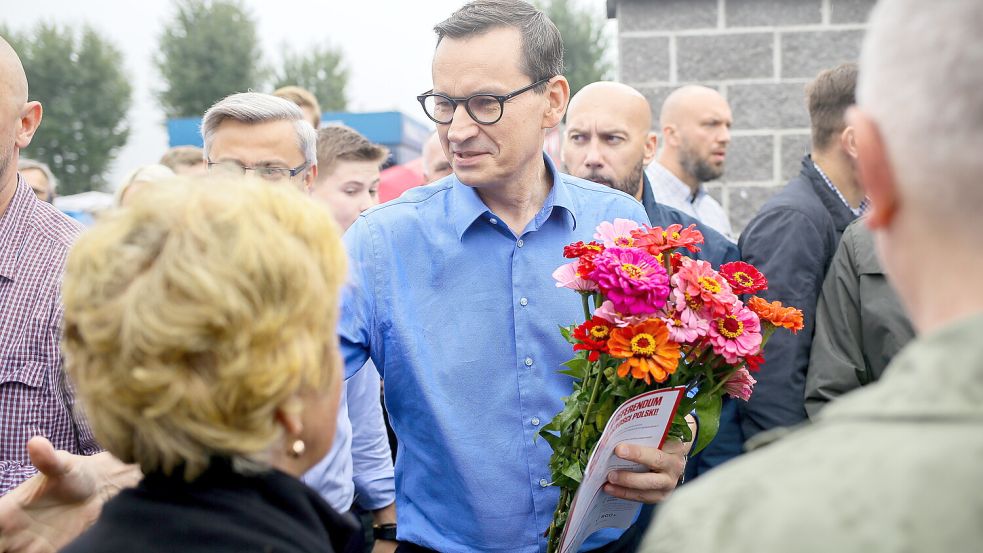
[[593, 336], [743, 277], [656, 240], [586, 252]]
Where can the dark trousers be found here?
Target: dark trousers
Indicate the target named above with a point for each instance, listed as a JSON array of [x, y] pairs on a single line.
[[627, 543]]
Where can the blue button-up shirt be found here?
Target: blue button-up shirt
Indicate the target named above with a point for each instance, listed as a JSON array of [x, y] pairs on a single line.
[[460, 316]]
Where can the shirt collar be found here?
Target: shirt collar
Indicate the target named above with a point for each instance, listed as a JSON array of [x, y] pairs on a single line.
[[466, 206], [673, 185], [13, 224], [857, 211]]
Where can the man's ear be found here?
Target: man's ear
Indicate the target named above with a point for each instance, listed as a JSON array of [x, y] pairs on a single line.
[[848, 141], [558, 96], [30, 120], [309, 177], [874, 169], [669, 136], [651, 147]]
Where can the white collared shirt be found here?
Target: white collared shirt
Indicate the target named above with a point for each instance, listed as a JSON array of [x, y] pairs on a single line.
[[671, 191]]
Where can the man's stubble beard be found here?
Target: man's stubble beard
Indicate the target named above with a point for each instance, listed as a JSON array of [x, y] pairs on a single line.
[[698, 168], [629, 185]]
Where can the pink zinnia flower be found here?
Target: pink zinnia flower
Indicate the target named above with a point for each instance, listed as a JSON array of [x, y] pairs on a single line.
[[740, 384], [607, 312], [566, 277], [697, 284], [617, 234], [736, 334], [633, 280], [686, 326]]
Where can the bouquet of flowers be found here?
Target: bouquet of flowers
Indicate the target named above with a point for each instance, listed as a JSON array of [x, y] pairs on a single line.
[[653, 319]]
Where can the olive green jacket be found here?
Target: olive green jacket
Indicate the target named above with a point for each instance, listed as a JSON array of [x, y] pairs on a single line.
[[860, 323], [896, 466]]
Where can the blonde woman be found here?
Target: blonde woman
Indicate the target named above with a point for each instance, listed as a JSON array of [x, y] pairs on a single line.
[[200, 334]]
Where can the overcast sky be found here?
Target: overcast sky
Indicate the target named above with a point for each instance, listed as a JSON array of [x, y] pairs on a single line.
[[387, 43]]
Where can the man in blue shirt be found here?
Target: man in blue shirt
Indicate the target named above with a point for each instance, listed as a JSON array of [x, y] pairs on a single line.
[[451, 296]]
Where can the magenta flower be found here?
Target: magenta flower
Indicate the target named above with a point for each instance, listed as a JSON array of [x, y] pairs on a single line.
[[736, 334], [566, 277], [740, 384], [632, 279], [617, 234]]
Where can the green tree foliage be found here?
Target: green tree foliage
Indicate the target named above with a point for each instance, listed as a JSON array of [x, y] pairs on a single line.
[[584, 41], [321, 70], [78, 77], [209, 50]]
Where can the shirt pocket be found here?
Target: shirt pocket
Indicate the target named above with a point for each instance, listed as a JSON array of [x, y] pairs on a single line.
[[22, 403]]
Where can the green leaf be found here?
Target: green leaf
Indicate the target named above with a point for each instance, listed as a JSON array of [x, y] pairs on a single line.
[[567, 333], [576, 367], [573, 472], [708, 412]]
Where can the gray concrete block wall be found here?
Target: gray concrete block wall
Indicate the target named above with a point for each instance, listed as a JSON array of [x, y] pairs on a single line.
[[760, 54]]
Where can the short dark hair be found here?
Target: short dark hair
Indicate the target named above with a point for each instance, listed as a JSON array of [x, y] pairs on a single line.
[[829, 96], [340, 143], [542, 46]]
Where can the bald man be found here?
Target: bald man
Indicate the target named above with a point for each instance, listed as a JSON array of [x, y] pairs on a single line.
[[695, 122], [435, 164], [608, 140], [34, 396]]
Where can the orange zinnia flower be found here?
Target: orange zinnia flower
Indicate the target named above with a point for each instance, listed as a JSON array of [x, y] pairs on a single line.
[[647, 350], [776, 314]]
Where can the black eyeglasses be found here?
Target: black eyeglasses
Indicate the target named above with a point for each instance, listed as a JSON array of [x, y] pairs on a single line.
[[267, 173], [485, 109]]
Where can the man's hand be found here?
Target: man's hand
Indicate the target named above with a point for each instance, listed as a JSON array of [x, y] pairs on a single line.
[[665, 466], [50, 509]]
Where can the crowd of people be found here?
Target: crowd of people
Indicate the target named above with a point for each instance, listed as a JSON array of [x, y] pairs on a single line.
[[246, 354]]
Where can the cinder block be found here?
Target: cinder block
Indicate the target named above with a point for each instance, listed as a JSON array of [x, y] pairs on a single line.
[[768, 106], [745, 201], [727, 56], [644, 59], [749, 159], [850, 11], [760, 13], [793, 148], [666, 15], [805, 54]]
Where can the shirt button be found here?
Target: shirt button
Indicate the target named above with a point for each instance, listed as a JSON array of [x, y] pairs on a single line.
[[528, 361], [493, 221], [544, 482], [535, 421], [523, 302], [520, 243]]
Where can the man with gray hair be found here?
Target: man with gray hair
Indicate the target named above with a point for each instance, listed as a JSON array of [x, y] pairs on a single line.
[[39, 176], [893, 466], [260, 134]]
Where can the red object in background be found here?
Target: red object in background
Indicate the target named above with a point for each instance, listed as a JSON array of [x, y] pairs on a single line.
[[400, 178]]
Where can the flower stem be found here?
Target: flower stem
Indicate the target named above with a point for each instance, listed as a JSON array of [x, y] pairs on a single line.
[[590, 404], [586, 305], [561, 506]]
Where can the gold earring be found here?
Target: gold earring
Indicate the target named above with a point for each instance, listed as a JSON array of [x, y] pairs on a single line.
[[297, 448]]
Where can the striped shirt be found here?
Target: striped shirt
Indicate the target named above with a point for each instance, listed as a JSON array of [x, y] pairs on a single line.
[[35, 397]]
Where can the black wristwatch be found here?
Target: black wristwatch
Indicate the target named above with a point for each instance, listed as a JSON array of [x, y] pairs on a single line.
[[384, 532]]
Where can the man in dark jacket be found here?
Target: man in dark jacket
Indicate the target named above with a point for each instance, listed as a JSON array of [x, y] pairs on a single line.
[[792, 240], [608, 140], [860, 323]]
